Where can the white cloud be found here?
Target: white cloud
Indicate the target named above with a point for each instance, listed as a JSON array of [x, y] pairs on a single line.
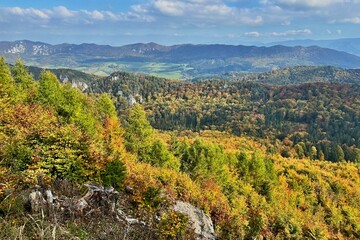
[[279, 34], [355, 20], [199, 8], [29, 12], [201, 13], [97, 15], [253, 34], [62, 14], [139, 9], [216, 9], [174, 8], [311, 3], [111, 15], [62, 11], [292, 33], [203, 18]]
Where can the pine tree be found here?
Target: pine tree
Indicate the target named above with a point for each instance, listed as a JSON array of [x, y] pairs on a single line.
[[321, 156], [313, 153], [357, 155], [339, 154]]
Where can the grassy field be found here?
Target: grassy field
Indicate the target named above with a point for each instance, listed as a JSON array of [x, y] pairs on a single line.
[[171, 71], [166, 70], [202, 68]]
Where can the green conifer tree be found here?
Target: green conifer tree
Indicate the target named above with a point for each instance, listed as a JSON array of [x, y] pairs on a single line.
[[139, 134], [7, 87]]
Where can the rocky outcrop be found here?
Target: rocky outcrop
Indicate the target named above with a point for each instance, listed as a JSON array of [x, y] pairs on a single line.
[[74, 83], [98, 197], [37, 202], [198, 220], [98, 204], [105, 203]]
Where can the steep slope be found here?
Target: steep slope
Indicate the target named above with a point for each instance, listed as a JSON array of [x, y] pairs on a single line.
[[53, 139]]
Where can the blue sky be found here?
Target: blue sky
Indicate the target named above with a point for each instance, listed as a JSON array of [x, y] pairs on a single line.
[[119, 22]]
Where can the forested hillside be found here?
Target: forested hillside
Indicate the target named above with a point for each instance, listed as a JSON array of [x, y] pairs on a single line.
[[64, 74], [52, 134], [317, 120], [305, 74]]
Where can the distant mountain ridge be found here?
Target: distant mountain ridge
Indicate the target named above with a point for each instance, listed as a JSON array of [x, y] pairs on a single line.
[[187, 59], [305, 74], [349, 45]]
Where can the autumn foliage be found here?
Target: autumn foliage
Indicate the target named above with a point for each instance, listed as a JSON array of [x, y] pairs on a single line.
[[250, 190]]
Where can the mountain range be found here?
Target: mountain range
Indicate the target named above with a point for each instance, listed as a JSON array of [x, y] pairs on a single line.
[[349, 45], [177, 61]]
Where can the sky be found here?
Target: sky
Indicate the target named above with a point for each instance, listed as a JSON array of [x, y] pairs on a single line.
[[168, 22]]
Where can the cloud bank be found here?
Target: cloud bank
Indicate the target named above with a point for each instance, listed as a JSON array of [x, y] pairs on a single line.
[[191, 19]]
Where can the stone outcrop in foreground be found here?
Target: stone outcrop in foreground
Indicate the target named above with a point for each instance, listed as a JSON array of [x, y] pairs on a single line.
[[106, 203]]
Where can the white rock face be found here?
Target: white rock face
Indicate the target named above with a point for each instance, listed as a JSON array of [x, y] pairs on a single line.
[[80, 85], [74, 83], [18, 48], [35, 50], [41, 50], [200, 222], [37, 201], [131, 100]]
